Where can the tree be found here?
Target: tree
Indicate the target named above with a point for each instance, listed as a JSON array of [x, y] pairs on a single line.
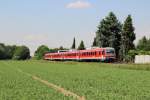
[[109, 33], [81, 46], [74, 44], [21, 53], [144, 44], [41, 50], [148, 45], [61, 48], [128, 36], [94, 43], [9, 51], [14, 52], [2, 51]]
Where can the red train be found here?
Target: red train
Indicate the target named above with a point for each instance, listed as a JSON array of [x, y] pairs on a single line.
[[94, 54]]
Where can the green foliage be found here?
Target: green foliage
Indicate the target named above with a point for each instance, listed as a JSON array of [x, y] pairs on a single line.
[[21, 53], [81, 46], [10, 50], [130, 56], [2, 51], [6, 52], [128, 37], [61, 48], [94, 43], [144, 44], [54, 50], [41, 50], [141, 52], [111, 33], [108, 33], [74, 44]]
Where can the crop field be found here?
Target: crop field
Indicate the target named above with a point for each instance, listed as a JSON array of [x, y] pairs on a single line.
[[43, 80]]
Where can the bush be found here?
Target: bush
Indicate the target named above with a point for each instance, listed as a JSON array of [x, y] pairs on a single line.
[[132, 53], [39, 53], [131, 56], [21, 53], [9, 51], [142, 52], [2, 51]]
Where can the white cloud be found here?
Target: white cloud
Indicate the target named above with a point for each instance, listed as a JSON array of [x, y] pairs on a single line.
[[79, 5]]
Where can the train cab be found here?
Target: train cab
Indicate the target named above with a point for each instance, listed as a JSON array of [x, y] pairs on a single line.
[[110, 54]]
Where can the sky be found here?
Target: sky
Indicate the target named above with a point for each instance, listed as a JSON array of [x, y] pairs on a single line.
[[56, 22]]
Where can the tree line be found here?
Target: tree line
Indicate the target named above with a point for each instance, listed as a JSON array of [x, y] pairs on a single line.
[[110, 33], [14, 52], [144, 44]]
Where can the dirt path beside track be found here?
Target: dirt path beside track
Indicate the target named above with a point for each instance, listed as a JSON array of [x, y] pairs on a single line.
[[57, 88]]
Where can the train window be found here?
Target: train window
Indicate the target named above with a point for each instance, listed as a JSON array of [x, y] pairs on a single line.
[[99, 53], [110, 51], [103, 52], [93, 53]]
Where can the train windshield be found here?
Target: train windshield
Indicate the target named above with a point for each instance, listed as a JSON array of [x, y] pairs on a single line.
[[110, 51]]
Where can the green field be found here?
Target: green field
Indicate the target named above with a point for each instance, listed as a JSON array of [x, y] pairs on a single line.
[[94, 81]]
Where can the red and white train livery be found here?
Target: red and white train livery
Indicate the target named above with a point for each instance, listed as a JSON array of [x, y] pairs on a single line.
[[97, 54]]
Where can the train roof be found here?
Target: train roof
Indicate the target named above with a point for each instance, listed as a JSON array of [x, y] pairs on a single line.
[[86, 50]]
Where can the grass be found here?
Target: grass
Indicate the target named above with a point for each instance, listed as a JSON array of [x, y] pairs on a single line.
[[94, 81]]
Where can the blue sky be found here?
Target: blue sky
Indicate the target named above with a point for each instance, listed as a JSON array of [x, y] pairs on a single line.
[[56, 22]]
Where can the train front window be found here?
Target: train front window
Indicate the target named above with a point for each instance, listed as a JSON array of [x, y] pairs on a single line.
[[110, 51]]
